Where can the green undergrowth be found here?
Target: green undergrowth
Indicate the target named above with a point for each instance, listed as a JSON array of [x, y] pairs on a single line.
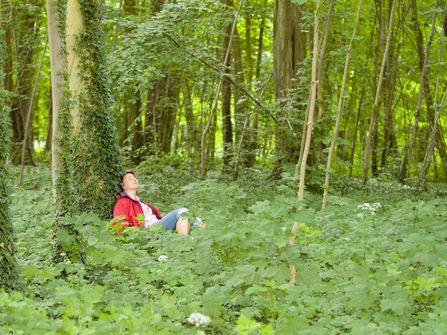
[[380, 268]]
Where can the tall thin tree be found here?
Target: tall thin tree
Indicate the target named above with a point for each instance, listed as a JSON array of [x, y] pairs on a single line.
[[312, 102]]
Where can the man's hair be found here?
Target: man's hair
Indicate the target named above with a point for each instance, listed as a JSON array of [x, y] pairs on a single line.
[[124, 174]]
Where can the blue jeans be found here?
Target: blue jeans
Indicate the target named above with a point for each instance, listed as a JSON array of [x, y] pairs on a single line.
[[169, 221]]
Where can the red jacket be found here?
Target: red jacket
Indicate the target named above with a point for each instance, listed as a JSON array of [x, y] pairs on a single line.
[[130, 208]]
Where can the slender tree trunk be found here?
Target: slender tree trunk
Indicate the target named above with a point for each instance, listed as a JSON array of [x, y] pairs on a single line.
[[356, 127], [312, 103], [29, 113], [227, 127], [253, 133], [192, 134], [407, 151], [340, 108], [372, 124]]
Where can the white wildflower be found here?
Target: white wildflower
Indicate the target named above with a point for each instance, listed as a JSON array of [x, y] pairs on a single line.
[[360, 215], [283, 228], [347, 239], [162, 258], [199, 320], [370, 207]]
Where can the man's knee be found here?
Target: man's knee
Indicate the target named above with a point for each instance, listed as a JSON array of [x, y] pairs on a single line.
[[182, 227]]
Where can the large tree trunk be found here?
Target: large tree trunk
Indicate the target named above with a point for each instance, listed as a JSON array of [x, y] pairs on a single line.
[[288, 52], [96, 153], [60, 148]]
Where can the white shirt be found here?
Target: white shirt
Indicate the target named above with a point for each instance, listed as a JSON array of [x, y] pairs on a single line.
[[149, 217]]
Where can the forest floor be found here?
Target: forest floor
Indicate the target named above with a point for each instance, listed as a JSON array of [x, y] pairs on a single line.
[[373, 262]]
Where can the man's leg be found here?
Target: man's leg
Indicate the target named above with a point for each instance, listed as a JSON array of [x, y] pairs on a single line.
[[173, 220]]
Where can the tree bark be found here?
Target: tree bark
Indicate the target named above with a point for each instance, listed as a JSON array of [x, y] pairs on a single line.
[[253, 129], [227, 127], [96, 174], [288, 52], [192, 133]]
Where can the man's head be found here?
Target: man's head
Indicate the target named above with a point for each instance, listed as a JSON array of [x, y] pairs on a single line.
[[129, 181]]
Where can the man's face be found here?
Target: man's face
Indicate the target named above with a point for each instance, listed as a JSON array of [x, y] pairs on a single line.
[[130, 182]]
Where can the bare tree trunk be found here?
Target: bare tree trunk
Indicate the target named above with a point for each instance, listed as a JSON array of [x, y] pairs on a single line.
[[192, 134], [313, 97], [253, 132], [374, 113], [340, 108], [58, 68], [407, 151], [227, 126]]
